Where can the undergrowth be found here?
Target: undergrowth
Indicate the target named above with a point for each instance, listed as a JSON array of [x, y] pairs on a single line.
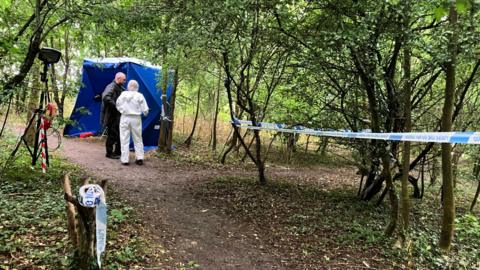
[[33, 229], [315, 223]]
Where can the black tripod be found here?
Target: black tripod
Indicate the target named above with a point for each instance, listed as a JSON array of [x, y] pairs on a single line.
[[48, 56], [39, 113]]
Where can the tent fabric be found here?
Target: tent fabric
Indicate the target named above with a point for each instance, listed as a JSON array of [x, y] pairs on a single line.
[[97, 74]]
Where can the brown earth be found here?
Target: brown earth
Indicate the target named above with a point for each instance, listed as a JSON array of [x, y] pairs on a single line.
[[194, 234], [158, 190]]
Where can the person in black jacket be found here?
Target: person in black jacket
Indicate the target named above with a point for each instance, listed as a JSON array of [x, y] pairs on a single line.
[[110, 116]]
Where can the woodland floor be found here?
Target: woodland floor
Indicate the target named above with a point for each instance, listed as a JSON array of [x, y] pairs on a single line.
[[211, 216]]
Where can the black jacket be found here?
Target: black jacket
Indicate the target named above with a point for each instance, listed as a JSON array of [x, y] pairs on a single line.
[[109, 110]]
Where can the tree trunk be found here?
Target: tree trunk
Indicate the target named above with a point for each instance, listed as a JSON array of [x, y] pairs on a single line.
[[249, 146], [70, 208], [476, 173], [6, 116], [290, 146], [33, 104], [392, 195], [66, 57], [22, 101], [173, 99], [422, 175], [366, 71], [474, 201], [476, 166], [232, 143], [259, 163], [54, 85], [215, 116], [448, 220], [322, 147], [189, 139], [373, 182], [307, 143], [17, 101], [457, 154], [162, 138], [406, 145], [54, 88]]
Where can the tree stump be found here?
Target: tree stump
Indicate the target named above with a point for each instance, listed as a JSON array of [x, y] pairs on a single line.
[[81, 227]]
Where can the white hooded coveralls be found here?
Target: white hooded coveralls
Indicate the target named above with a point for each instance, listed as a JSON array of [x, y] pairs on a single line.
[[131, 104]]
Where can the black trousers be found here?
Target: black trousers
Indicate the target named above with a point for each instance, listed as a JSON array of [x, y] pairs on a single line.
[[113, 137]]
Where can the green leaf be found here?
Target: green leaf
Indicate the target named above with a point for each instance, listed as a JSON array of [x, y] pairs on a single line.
[[440, 12], [462, 6], [4, 4], [117, 216], [394, 2]]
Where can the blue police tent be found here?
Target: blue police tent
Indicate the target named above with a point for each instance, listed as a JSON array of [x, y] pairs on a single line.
[[96, 75]]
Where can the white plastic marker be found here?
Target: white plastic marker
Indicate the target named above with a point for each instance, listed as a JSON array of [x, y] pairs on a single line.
[[468, 137], [92, 195]]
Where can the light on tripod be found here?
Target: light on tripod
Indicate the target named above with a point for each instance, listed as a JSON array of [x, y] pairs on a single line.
[[49, 55]]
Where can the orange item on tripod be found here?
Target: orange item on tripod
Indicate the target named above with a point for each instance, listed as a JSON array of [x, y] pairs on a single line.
[[50, 113]]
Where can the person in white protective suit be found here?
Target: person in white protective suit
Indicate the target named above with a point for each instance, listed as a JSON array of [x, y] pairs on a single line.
[[131, 104]]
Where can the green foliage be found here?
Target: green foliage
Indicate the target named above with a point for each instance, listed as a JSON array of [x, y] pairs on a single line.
[[468, 228], [5, 4], [463, 6], [33, 231], [465, 250], [32, 220], [441, 11], [316, 220], [118, 216], [32, 226], [308, 223]]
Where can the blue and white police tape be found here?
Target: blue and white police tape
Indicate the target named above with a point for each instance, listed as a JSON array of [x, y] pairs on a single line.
[[92, 195], [437, 137]]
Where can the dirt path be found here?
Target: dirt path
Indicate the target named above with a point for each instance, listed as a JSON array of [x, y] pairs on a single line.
[[159, 192]]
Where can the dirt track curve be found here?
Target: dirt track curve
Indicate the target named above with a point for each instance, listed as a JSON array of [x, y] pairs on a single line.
[[159, 192]]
